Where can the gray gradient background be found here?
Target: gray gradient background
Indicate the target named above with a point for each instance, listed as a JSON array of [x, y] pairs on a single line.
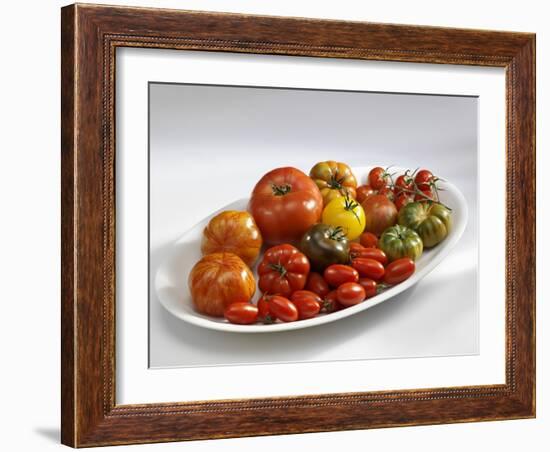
[[210, 144]]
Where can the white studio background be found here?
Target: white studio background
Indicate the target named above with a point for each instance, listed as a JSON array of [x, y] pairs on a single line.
[[209, 145], [30, 227]]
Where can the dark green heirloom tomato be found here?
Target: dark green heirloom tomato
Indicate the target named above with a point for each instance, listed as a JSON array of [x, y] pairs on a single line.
[[325, 245], [431, 220], [399, 241]]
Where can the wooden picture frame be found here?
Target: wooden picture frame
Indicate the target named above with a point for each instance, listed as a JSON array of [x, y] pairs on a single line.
[[90, 36]]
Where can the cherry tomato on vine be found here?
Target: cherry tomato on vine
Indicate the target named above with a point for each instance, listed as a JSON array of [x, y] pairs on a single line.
[[404, 183], [350, 294], [399, 270], [423, 179], [283, 309], [378, 178], [368, 240], [241, 313], [307, 303], [337, 274], [368, 268], [317, 284], [370, 286]]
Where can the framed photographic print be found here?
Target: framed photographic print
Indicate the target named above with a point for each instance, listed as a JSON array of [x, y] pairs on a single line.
[[281, 225]]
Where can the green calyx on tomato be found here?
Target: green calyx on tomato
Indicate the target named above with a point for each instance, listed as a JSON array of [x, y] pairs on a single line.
[[432, 221], [281, 190], [325, 245], [400, 241]]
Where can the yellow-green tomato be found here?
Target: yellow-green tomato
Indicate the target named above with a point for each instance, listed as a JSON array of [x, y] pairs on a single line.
[[346, 213]]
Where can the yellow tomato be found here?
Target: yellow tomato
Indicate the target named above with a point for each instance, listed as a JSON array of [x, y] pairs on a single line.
[[346, 213]]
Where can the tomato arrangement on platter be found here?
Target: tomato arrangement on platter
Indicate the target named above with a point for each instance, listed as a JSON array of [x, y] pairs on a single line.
[[325, 243]]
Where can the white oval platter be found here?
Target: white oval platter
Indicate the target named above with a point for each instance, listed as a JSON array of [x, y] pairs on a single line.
[[173, 292]]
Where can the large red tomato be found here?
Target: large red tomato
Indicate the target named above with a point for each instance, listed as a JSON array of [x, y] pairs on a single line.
[[285, 203], [218, 280], [283, 270]]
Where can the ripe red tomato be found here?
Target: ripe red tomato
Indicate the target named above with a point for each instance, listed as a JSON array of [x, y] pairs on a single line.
[[349, 294], [285, 203], [399, 270], [283, 309], [338, 274], [264, 313], [402, 199], [387, 192], [370, 286], [404, 182], [369, 268], [370, 253], [330, 302], [368, 240], [283, 270], [378, 178], [355, 249], [380, 214], [307, 303], [423, 179], [363, 192], [241, 313], [317, 284]]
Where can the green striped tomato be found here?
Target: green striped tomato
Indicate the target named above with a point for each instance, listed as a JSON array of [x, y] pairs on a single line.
[[432, 221], [399, 241]]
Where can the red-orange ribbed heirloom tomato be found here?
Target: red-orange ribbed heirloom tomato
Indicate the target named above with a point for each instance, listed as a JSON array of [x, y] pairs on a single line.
[[218, 280], [283, 270], [285, 203]]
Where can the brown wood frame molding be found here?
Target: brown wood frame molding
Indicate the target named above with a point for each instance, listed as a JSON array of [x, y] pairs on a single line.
[[90, 35]]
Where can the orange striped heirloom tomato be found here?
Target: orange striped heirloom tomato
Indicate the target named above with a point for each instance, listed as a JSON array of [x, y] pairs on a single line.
[[218, 280], [235, 232]]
